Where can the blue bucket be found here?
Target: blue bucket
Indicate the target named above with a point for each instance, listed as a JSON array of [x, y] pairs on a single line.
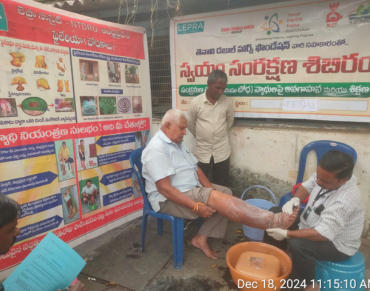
[[251, 233]]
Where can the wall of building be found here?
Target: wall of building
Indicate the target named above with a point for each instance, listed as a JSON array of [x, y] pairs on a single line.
[[269, 155]]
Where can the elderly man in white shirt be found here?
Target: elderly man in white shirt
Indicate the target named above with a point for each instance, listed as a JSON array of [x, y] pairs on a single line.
[[176, 186], [330, 226], [210, 118]]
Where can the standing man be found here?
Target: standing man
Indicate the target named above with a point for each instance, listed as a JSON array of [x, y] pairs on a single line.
[[81, 152], [210, 117]]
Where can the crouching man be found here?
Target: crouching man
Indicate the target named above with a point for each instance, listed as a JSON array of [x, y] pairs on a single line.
[[330, 226]]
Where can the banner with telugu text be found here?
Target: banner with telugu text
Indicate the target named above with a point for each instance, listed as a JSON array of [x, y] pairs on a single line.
[[74, 103], [297, 59]]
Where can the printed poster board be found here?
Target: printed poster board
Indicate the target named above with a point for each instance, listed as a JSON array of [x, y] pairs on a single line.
[[297, 59], [74, 103]]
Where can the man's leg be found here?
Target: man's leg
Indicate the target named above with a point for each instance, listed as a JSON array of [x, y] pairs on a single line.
[[63, 169], [82, 159], [205, 167], [220, 172], [174, 209], [70, 207], [71, 164], [305, 253], [73, 167], [94, 193], [234, 209], [90, 199], [215, 226], [86, 198], [93, 196], [242, 212]]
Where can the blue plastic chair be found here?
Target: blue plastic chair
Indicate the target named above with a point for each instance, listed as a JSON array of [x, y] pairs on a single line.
[[321, 147], [176, 222]]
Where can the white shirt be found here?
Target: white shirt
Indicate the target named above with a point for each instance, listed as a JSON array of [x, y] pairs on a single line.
[[87, 190], [210, 125], [342, 220], [162, 158]]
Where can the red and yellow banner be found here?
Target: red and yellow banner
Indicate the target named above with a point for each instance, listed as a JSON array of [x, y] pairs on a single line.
[[74, 103]]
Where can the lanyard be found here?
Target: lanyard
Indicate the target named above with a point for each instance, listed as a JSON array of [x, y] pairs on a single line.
[[320, 195]]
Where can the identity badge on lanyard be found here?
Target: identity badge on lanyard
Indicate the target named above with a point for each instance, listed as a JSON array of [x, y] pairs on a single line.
[[318, 209]]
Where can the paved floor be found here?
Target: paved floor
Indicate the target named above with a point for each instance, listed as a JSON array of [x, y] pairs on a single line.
[[116, 257]]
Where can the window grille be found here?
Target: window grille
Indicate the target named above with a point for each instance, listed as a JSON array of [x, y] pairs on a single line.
[[160, 75]]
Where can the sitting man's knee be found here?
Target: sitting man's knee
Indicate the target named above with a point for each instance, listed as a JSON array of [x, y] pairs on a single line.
[[228, 191], [223, 189]]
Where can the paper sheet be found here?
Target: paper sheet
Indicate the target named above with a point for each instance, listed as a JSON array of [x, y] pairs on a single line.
[[52, 265]]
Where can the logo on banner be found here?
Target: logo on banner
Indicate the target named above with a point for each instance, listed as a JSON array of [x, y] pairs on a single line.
[[272, 24], [333, 16], [3, 21], [360, 15], [190, 27]]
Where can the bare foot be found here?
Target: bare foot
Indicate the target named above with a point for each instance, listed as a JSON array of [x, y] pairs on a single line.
[[200, 242], [284, 220]]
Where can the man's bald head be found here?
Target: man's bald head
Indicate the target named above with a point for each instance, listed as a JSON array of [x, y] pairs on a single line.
[[174, 125], [172, 116]]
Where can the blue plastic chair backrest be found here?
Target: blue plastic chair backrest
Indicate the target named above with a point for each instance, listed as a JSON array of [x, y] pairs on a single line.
[[321, 147], [135, 160]]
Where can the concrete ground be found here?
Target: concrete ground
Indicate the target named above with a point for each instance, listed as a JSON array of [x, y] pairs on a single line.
[[115, 258]]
